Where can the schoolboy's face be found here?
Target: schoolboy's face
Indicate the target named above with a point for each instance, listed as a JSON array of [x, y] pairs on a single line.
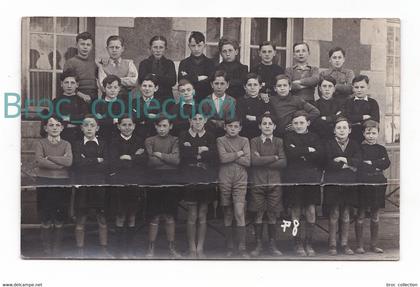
[[196, 48], [300, 125], [84, 47], [282, 87], [115, 49], [252, 87], [219, 85], [229, 53], [53, 128], [232, 129], [89, 128], [69, 86], [197, 122], [360, 89], [163, 128], [337, 59], [126, 127], [327, 90], [301, 53], [158, 48], [371, 135], [112, 89], [267, 127], [186, 92], [267, 54], [148, 89], [342, 130]]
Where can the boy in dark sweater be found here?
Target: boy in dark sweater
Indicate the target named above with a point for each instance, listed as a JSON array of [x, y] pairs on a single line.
[[229, 49], [343, 157], [372, 194], [283, 105], [234, 155], [90, 162], [70, 107], [360, 107], [128, 161], [267, 158], [85, 67], [197, 68], [267, 70], [328, 107], [252, 106], [305, 155]]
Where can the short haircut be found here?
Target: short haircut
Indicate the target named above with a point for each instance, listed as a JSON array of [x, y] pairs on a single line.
[[328, 79], [91, 116], [266, 115], [110, 79], [342, 119], [360, 78], [300, 113], [150, 77], [184, 81], [115, 38], [336, 49], [125, 116], [84, 36], [229, 120], [301, 43], [267, 43], [370, 124], [220, 73], [197, 36], [281, 77], [158, 38], [252, 76], [227, 41], [45, 118], [69, 73], [161, 118]]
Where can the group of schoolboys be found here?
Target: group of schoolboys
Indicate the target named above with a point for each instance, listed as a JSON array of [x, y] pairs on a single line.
[[259, 138]]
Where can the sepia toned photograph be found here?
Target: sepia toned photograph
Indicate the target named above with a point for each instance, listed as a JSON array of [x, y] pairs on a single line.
[[210, 138]]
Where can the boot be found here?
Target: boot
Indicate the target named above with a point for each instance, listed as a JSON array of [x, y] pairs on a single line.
[[172, 251], [229, 240], [344, 238], [272, 240], [46, 234], [191, 235], [241, 233], [310, 228], [374, 233], [58, 238], [258, 235], [358, 228], [153, 231], [151, 250]]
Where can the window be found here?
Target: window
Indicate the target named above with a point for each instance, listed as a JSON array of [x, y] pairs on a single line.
[[392, 110], [48, 43]]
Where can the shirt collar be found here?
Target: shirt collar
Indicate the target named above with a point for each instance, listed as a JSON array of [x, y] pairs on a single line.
[[54, 140], [115, 61], [264, 138], [366, 142], [126, 138], [341, 143], [301, 67], [214, 97], [194, 134], [365, 98], [85, 140], [147, 100], [109, 100]]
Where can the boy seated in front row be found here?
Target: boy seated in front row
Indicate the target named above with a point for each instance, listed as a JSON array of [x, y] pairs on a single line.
[[164, 158], [360, 107], [283, 105], [234, 155], [90, 162], [328, 107], [85, 67], [127, 166], [267, 158], [218, 106], [372, 194], [305, 156]]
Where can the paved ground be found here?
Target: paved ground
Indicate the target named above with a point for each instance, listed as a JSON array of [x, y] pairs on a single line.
[[389, 241]]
